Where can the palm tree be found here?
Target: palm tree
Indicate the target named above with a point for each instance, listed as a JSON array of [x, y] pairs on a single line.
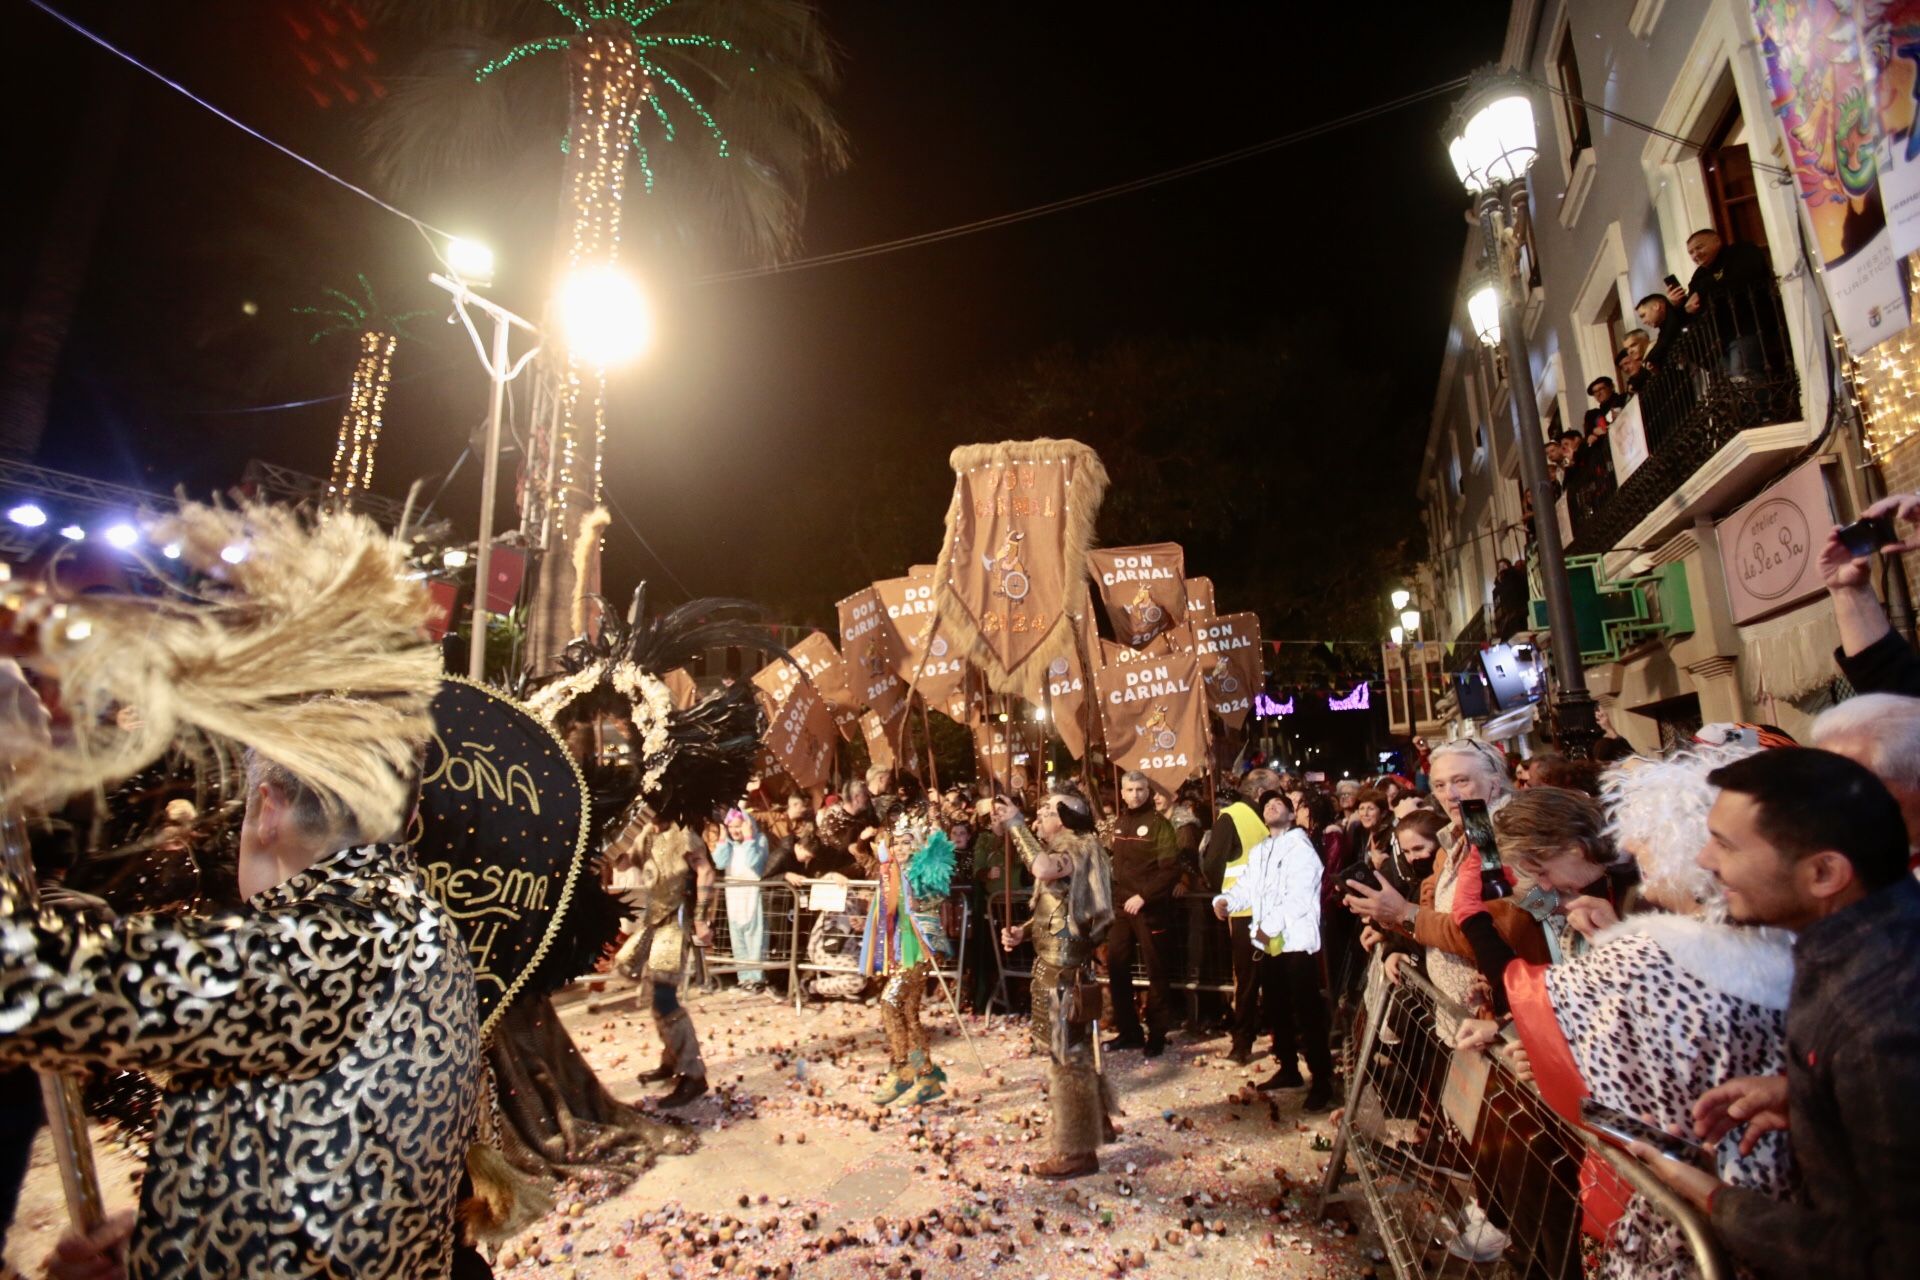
[[377, 333], [718, 106]]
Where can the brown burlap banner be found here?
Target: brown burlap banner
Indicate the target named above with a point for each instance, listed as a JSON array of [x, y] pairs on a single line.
[[997, 752], [1120, 655], [1230, 648], [1144, 589], [1155, 714], [800, 734], [1064, 694], [1199, 599], [685, 692], [1016, 541], [919, 648], [879, 745], [867, 647], [822, 663]]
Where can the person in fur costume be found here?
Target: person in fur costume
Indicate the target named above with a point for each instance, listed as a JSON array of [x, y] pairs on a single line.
[[1662, 1006], [1072, 910], [903, 940]]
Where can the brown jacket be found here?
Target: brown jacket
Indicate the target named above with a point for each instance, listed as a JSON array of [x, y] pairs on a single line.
[[1436, 928]]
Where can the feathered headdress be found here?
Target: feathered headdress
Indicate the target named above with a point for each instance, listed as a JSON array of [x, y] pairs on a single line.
[[687, 762], [307, 646]]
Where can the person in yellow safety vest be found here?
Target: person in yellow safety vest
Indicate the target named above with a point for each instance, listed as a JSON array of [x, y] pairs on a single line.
[[1235, 832]]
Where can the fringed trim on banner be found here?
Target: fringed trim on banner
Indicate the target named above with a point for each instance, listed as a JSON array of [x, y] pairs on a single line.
[[1086, 488], [1790, 656]]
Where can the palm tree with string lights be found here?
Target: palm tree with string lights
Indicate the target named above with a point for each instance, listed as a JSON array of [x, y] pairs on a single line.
[[716, 107], [715, 112], [377, 333]]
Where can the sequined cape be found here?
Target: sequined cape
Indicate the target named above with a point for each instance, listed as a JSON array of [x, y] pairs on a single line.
[[321, 1056]]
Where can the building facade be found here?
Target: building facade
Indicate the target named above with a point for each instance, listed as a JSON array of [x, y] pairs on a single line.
[[1691, 535]]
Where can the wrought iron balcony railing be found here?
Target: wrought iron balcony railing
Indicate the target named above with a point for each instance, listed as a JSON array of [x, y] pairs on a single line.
[[1730, 370]]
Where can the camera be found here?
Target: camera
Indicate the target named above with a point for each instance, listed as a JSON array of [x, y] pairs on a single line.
[[1865, 536]]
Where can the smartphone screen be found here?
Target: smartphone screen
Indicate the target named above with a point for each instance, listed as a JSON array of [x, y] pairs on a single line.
[[1478, 824], [1624, 1128]]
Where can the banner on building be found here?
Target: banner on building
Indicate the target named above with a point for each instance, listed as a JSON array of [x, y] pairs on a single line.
[[1229, 652], [867, 648], [1890, 38], [1155, 717], [1200, 598], [1143, 588], [1017, 535], [1770, 548], [1823, 94], [824, 666], [926, 659]]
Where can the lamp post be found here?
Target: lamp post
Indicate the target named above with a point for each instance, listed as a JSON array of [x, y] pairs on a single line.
[[501, 372], [1491, 140]]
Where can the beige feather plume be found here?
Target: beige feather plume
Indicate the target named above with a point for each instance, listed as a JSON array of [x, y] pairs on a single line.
[[310, 651]]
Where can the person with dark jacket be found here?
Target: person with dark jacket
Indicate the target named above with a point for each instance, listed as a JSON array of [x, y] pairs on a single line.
[[1146, 869], [1732, 289], [1810, 842]]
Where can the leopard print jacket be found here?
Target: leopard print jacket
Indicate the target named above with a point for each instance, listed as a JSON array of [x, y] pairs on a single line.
[[320, 1054]]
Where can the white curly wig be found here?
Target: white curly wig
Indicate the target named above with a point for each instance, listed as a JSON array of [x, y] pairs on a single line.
[[1657, 813]]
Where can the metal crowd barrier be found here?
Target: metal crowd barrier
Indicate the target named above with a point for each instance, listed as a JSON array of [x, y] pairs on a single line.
[[1437, 1139], [1195, 951]]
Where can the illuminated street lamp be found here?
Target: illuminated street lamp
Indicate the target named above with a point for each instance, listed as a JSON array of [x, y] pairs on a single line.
[[1399, 634], [1410, 620], [1401, 598], [1491, 139], [604, 318]]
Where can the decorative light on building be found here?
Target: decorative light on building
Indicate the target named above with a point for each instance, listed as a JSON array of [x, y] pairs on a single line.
[[1885, 382], [1358, 700]]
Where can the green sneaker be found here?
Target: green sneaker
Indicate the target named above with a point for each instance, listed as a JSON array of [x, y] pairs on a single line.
[[928, 1087], [897, 1082]]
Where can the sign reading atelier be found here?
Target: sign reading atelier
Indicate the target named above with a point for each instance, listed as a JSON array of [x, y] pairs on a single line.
[[1144, 589], [501, 833], [867, 644], [1230, 648], [1016, 538], [821, 661], [918, 647], [800, 727], [1155, 715]]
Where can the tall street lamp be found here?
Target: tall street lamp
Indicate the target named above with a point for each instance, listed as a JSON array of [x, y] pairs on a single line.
[[1492, 142], [501, 369]]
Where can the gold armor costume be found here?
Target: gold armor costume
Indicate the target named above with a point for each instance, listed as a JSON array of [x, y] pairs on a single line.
[[674, 873], [1070, 916]]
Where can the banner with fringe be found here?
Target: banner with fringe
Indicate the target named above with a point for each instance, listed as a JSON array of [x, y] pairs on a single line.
[[1017, 533]]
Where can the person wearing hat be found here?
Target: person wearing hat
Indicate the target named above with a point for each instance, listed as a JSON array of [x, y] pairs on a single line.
[[903, 941], [1072, 910]]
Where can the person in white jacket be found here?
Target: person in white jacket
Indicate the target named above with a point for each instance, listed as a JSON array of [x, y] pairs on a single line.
[[1281, 887]]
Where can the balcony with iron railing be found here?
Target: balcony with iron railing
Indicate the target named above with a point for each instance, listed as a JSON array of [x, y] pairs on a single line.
[[1720, 407]]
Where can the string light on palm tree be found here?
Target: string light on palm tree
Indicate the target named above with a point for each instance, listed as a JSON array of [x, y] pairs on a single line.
[[378, 335]]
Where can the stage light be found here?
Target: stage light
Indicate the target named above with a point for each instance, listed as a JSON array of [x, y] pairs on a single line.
[[171, 551], [73, 533], [121, 536], [235, 553], [27, 516], [454, 558], [604, 316]]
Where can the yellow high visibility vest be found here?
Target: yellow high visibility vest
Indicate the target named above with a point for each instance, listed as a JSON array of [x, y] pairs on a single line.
[[1247, 825]]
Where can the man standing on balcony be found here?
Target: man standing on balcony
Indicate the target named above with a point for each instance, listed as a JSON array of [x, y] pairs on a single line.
[[1732, 285]]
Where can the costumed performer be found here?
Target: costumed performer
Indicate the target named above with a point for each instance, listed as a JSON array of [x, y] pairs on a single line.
[[743, 855], [902, 941], [667, 874], [1072, 910]]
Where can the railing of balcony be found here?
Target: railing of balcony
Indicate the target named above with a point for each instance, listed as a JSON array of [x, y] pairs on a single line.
[[1729, 370]]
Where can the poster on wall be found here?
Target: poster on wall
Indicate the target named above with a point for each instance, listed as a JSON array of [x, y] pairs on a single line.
[[1890, 36], [1770, 548], [1817, 65]]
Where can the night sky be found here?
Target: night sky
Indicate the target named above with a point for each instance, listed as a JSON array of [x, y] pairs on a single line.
[[742, 443]]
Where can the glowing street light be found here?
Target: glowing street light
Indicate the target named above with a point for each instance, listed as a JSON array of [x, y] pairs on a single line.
[[1483, 313], [1401, 598], [27, 516], [470, 260], [1399, 634], [1410, 619], [604, 318]]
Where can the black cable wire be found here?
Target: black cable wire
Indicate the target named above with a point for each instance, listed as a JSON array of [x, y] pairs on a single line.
[[635, 531]]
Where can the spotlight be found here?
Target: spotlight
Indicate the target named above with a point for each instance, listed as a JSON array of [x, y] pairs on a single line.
[[235, 553], [470, 260], [454, 558], [604, 317], [121, 536], [73, 533], [27, 516], [171, 551]]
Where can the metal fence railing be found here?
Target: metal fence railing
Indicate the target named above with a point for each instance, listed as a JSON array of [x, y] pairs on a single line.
[[1194, 949], [1466, 1170]]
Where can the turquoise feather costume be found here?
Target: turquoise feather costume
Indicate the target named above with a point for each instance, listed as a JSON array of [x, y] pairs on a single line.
[[903, 925]]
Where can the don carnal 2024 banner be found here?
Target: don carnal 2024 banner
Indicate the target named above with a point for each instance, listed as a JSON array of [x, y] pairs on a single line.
[[800, 729], [1155, 714], [1144, 589], [1229, 650], [1016, 540], [501, 833], [1200, 599], [928, 661], [866, 646], [824, 666]]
